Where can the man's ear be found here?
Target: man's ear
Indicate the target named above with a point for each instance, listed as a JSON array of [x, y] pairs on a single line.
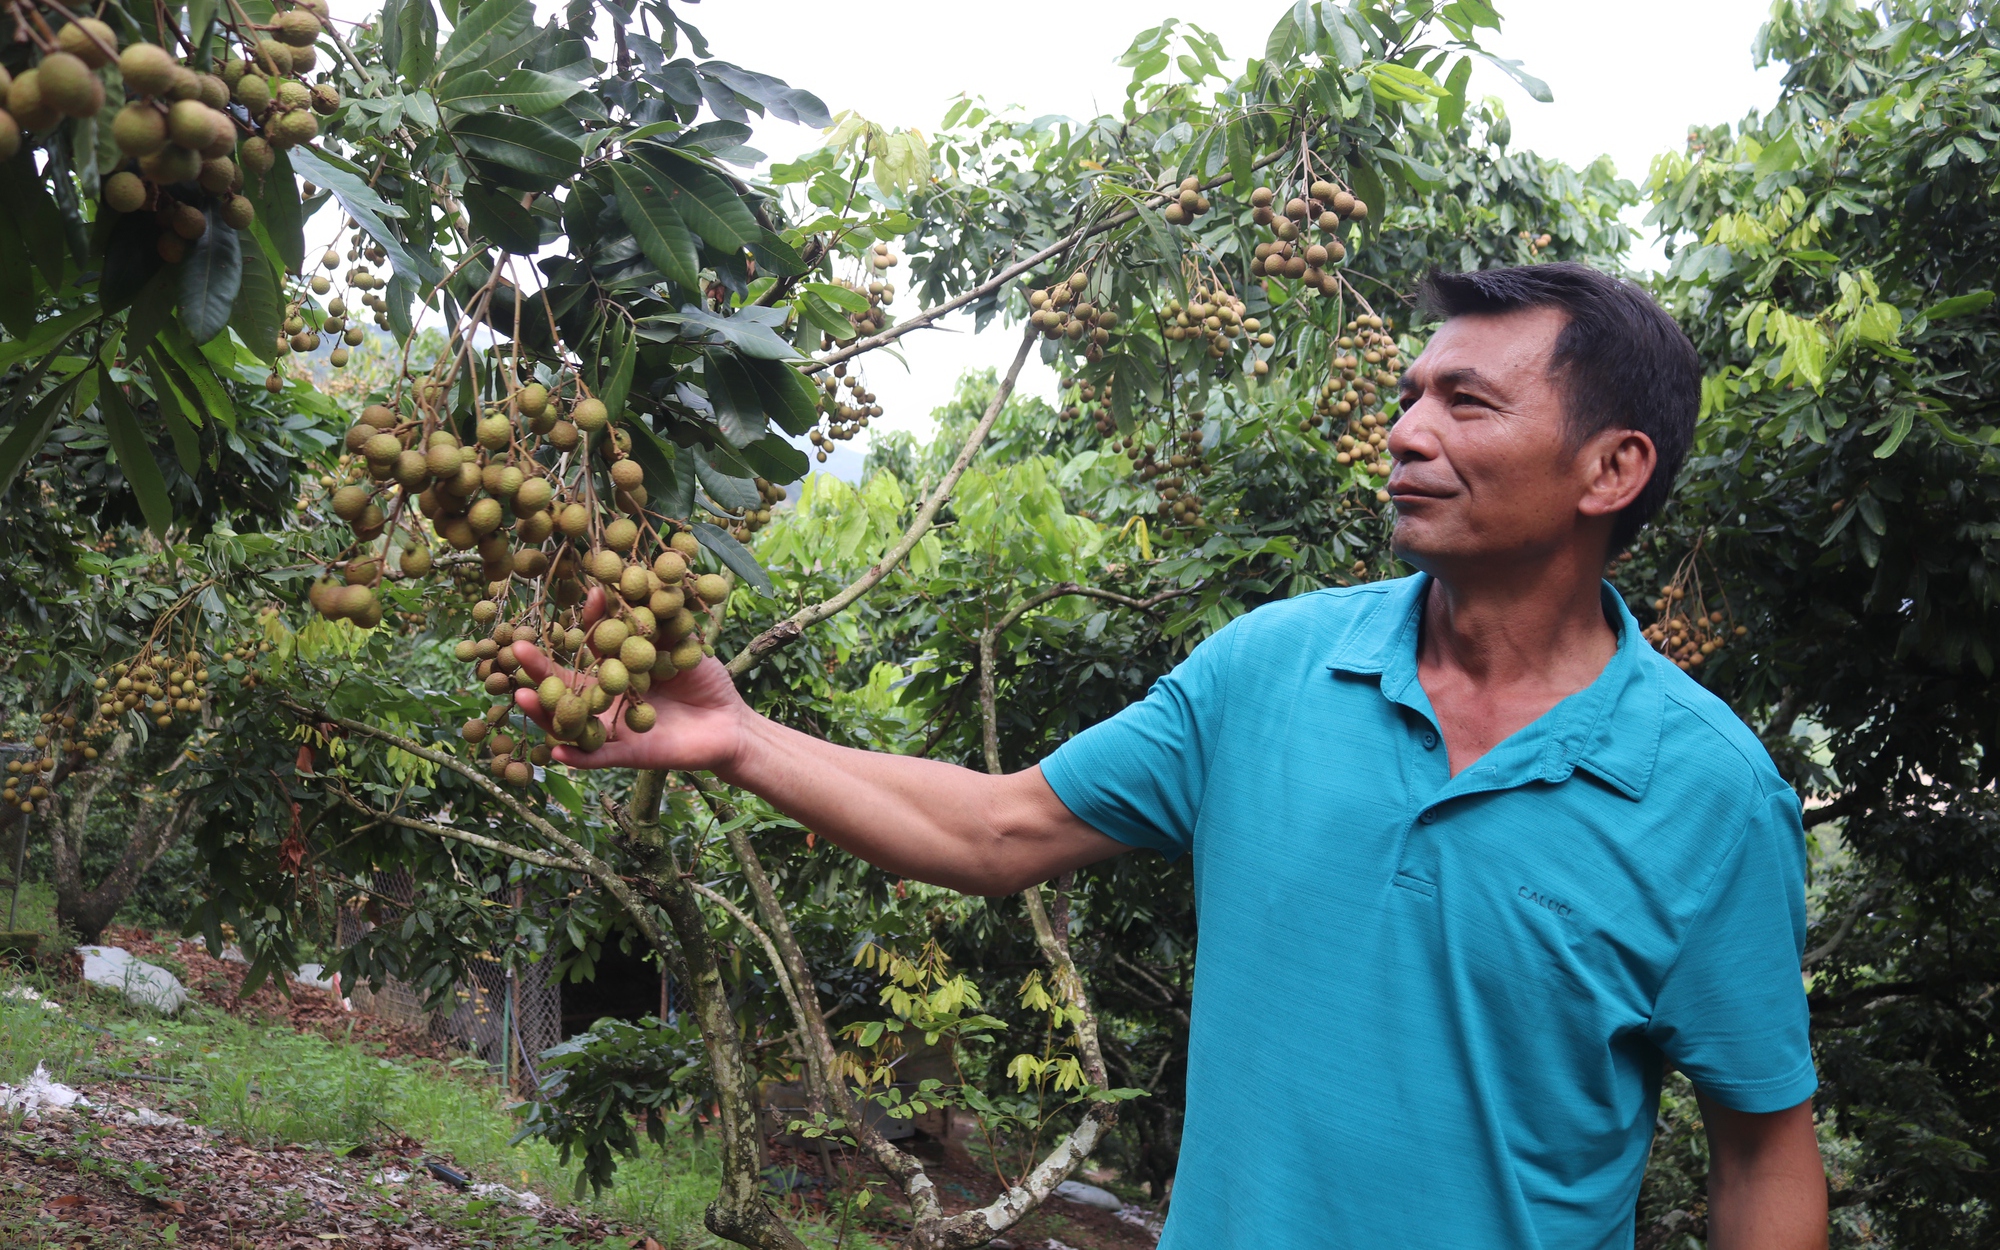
[[1616, 465]]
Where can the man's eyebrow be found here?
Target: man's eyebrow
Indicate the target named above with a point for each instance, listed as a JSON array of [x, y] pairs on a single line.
[[1467, 378]]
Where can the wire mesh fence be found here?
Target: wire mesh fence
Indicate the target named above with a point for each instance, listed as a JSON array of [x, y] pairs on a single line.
[[506, 1016]]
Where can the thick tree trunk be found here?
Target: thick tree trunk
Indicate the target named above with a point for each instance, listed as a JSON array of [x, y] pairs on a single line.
[[85, 910], [739, 1212]]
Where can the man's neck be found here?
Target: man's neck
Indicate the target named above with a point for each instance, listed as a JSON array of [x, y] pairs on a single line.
[[1496, 652]]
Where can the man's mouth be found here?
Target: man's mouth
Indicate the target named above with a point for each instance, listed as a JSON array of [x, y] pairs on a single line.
[[1403, 488]]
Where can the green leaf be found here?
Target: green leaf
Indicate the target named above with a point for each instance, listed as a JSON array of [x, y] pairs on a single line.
[[32, 430], [521, 151], [704, 201], [523, 90], [258, 309], [1957, 306], [775, 257], [775, 460], [502, 219], [565, 793], [733, 397], [1532, 85], [196, 373], [505, 18], [658, 458], [209, 279], [17, 273], [34, 213], [785, 394], [624, 353], [752, 338], [1451, 109], [661, 233], [1346, 44], [1897, 433], [276, 198], [734, 493], [844, 298], [135, 455], [416, 37], [46, 334], [1282, 43], [1368, 185], [1242, 162], [1781, 156], [367, 209], [736, 556]]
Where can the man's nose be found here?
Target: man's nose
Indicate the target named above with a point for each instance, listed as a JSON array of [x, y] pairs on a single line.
[[1410, 437]]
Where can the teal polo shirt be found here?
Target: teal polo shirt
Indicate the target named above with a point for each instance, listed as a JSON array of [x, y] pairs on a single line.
[[1433, 1011]]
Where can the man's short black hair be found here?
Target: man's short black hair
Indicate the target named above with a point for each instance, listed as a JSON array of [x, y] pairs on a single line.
[[1623, 361]]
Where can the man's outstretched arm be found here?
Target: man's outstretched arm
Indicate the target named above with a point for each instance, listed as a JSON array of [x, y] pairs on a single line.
[[1766, 1184], [917, 818]]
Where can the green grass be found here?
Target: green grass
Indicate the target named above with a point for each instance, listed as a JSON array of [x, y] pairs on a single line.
[[267, 1085]]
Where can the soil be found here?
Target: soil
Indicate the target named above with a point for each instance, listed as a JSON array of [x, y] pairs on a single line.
[[82, 1178], [76, 1179], [219, 984]]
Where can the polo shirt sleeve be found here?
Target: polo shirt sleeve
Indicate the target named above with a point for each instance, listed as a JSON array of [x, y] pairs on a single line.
[[1139, 777], [1732, 1012]]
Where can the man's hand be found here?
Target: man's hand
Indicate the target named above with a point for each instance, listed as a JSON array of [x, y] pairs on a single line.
[[702, 720], [919, 818], [1766, 1184]]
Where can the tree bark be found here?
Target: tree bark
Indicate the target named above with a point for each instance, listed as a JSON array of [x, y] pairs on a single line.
[[85, 910]]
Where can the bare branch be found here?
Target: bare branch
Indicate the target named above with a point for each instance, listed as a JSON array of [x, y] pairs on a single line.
[[591, 865], [479, 840], [790, 628]]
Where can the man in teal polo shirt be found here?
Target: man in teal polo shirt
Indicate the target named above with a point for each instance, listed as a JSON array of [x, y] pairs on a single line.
[[1474, 865]]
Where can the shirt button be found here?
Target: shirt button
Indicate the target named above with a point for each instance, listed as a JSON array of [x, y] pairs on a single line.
[[1428, 816], [1430, 740]]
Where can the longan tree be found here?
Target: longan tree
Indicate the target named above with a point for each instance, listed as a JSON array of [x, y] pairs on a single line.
[[633, 334]]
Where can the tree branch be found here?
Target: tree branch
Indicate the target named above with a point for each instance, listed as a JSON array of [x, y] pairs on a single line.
[[479, 840], [1080, 235], [789, 629], [822, 1068], [1832, 944], [589, 864]]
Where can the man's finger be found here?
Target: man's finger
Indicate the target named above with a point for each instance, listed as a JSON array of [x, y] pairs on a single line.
[[530, 704], [593, 607], [625, 752], [536, 661]]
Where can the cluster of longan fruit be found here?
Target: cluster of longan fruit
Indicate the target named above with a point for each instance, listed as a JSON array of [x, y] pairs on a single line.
[[1216, 316], [1365, 376], [741, 527], [28, 780], [162, 687], [1093, 401], [878, 293], [1062, 310], [179, 130], [1289, 255], [1172, 471], [537, 472], [1188, 204], [647, 632], [1686, 634], [841, 418]]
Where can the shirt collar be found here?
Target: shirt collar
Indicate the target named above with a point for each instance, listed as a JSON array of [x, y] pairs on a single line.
[[1611, 728]]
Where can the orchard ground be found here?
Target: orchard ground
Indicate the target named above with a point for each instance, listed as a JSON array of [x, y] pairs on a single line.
[[276, 1120]]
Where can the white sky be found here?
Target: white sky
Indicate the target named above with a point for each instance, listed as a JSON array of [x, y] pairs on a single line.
[[1629, 77]]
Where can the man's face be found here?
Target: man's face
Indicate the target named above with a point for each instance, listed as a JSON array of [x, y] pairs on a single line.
[[1484, 471]]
